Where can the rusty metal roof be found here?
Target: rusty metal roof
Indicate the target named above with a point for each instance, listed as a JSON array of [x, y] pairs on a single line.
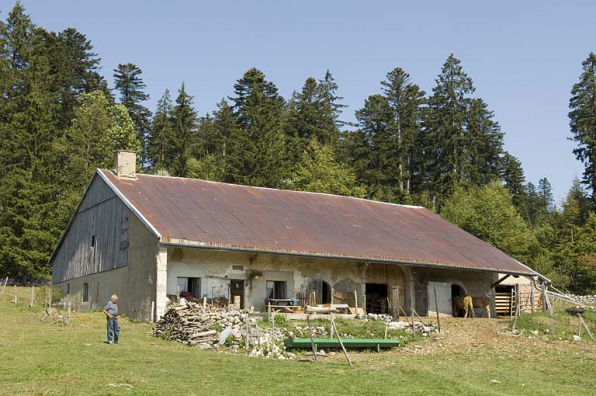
[[220, 215]]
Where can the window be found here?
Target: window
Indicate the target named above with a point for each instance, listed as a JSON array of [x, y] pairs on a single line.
[[68, 288], [181, 285], [93, 241], [238, 267], [85, 292], [276, 289], [188, 286]]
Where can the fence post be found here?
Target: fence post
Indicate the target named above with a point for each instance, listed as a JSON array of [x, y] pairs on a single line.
[[68, 317], [15, 295], [50, 300], [5, 283], [152, 311], [32, 296]]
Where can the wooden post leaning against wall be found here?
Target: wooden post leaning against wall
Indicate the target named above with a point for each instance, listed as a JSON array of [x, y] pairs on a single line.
[[532, 296]]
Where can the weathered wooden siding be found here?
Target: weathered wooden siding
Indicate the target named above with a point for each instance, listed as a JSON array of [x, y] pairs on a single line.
[[97, 240]]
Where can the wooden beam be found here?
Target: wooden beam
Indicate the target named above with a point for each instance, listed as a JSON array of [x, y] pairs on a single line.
[[499, 281]]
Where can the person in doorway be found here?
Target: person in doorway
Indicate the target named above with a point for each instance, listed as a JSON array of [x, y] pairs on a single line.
[[111, 312]]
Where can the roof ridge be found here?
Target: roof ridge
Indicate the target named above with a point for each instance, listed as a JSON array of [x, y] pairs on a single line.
[[280, 189]]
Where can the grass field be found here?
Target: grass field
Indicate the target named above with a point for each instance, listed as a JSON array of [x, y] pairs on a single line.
[[41, 359]]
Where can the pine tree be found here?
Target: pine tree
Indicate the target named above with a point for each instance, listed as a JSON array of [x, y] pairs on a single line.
[[161, 140], [184, 119], [257, 152], [128, 81], [583, 121]]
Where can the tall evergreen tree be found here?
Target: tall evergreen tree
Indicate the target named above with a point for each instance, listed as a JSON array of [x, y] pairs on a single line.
[[161, 140], [128, 81], [30, 208], [257, 155], [583, 121], [463, 141], [484, 140], [384, 150], [514, 179], [184, 119], [445, 124], [545, 192], [75, 69]]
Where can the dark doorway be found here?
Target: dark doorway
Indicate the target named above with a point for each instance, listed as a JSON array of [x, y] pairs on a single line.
[[376, 298], [237, 289], [457, 292], [321, 289]]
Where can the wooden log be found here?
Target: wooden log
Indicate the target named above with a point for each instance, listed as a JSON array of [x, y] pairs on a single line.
[[437, 309], [343, 348], [579, 324], [204, 334], [532, 296], [586, 327], [312, 343]]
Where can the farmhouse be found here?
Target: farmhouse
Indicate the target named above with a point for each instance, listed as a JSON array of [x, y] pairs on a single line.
[[149, 238]]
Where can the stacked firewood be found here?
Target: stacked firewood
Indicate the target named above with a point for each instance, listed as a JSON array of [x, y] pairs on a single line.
[[193, 323]]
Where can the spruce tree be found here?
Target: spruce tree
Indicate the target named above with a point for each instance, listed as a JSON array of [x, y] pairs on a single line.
[[184, 119], [313, 113], [128, 81], [484, 141], [513, 176], [257, 152], [446, 128], [583, 121], [384, 152], [162, 140], [545, 192]]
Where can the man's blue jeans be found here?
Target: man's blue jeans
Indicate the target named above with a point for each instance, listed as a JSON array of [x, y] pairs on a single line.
[[113, 327]]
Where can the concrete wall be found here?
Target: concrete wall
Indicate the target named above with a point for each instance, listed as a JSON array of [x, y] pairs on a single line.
[[474, 283], [216, 268], [135, 283]]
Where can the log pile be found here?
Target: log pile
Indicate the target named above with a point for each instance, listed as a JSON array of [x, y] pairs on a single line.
[[209, 327]]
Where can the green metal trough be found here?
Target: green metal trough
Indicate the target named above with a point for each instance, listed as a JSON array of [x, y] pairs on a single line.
[[371, 343]]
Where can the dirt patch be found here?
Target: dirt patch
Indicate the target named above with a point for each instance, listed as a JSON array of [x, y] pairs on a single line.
[[480, 336]]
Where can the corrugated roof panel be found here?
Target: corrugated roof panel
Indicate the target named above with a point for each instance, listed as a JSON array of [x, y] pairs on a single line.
[[227, 215]]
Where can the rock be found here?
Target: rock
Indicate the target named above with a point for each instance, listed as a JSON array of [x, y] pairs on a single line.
[[576, 338], [494, 381]]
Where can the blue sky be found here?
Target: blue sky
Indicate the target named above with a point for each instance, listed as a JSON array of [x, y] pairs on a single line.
[[523, 56]]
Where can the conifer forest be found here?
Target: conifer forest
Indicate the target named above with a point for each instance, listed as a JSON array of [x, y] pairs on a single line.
[[442, 149]]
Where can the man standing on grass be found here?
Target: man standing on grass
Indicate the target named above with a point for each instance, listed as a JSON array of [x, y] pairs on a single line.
[[111, 312]]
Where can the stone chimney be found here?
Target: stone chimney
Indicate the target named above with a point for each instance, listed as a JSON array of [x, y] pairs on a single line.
[[125, 163]]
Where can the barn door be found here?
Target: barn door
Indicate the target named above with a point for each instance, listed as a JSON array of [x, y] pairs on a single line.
[[443, 298]]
